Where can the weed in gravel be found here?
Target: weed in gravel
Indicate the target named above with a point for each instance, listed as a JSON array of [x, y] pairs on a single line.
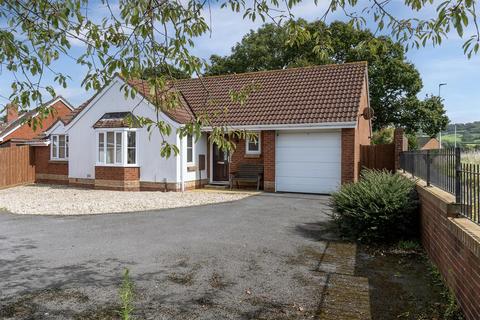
[[126, 296], [29, 304], [451, 310], [22, 308], [216, 281], [108, 312], [185, 279]]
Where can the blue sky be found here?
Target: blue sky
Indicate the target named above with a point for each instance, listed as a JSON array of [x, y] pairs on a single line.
[[444, 64]]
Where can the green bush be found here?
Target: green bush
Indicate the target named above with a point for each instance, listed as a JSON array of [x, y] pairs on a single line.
[[381, 207]]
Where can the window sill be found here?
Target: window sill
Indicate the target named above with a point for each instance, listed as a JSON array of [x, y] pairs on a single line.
[[117, 165], [252, 155], [55, 161]]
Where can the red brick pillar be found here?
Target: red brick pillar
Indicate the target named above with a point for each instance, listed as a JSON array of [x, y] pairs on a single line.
[[268, 150], [348, 156], [401, 144]]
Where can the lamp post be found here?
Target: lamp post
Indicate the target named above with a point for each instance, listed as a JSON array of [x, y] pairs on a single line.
[[440, 85]]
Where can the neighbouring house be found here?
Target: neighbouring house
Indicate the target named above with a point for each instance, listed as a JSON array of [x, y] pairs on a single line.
[[310, 123], [17, 130], [427, 143]]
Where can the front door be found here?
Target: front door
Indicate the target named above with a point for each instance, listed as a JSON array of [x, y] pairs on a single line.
[[220, 164]]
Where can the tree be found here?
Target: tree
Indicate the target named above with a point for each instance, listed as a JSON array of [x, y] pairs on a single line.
[[383, 136], [165, 70], [133, 36], [393, 81]]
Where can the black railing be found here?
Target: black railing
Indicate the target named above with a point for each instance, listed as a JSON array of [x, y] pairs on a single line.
[[470, 191], [444, 169]]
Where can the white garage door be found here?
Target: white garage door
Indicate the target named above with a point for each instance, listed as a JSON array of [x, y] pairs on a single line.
[[308, 162]]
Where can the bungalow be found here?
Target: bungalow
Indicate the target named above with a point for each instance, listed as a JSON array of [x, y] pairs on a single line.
[[310, 124]]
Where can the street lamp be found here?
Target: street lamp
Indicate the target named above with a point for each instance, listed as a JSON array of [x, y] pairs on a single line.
[[440, 85]]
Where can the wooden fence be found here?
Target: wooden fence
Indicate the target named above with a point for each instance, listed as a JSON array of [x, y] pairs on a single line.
[[16, 166], [380, 156]]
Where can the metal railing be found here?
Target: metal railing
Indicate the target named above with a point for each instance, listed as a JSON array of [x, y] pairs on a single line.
[[443, 168]]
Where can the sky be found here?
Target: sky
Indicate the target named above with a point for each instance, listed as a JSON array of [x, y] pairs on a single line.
[[444, 64]]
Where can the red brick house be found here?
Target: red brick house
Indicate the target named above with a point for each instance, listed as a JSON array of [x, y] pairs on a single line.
[[17, 129], [310, 124], [428, 143]]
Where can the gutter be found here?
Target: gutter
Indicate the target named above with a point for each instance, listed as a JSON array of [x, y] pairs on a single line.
[[295, 126]]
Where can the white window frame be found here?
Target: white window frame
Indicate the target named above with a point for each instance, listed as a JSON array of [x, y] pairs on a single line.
[[192, 147], [56, 155], [259, 142], [124, 152]]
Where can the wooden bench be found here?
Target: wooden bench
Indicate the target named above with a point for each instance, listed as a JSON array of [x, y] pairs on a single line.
[[247, 172]]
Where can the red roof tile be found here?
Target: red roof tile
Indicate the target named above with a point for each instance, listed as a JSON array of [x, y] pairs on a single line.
[[317, 94], [328, 93]]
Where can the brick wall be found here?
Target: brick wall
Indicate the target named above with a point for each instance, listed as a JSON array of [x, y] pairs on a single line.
[[267, 158], [353, 139], [117, 173], [27, 132], [348, 155], [239, 156], [453, 244], [48, 171], [401, 144], [117, 178]]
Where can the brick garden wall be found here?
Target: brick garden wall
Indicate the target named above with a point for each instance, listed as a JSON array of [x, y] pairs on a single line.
[[453, 244]]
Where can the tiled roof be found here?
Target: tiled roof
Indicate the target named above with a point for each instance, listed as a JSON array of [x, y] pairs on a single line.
[[76, 111], [23, 117], [114, 120], [317, 94], [180, 114]]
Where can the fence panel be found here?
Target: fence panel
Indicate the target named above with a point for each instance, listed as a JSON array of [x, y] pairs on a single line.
[[16, 166], [380, 156]]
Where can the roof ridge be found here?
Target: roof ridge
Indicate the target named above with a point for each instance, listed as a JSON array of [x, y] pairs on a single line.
[[317, 66]]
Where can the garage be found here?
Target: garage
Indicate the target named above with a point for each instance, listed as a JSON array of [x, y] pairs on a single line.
[[308, 161]]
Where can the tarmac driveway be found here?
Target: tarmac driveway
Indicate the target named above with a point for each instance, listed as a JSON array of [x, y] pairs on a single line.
[[265, 256]]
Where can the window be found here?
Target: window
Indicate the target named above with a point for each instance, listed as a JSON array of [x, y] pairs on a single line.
[[253, 144], [117, 147], [189, 148], [132, 147], [59, 147], [101, 147]]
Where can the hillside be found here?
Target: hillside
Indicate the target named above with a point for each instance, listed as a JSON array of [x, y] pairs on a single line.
[[468, 135]]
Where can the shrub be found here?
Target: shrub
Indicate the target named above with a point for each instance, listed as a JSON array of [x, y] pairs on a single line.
[[380, 207]]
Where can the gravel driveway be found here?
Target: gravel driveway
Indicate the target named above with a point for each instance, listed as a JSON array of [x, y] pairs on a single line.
[[63, 200]]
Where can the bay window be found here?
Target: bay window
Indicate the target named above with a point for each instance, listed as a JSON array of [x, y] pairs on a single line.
[[117, 147], [59, 147]]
